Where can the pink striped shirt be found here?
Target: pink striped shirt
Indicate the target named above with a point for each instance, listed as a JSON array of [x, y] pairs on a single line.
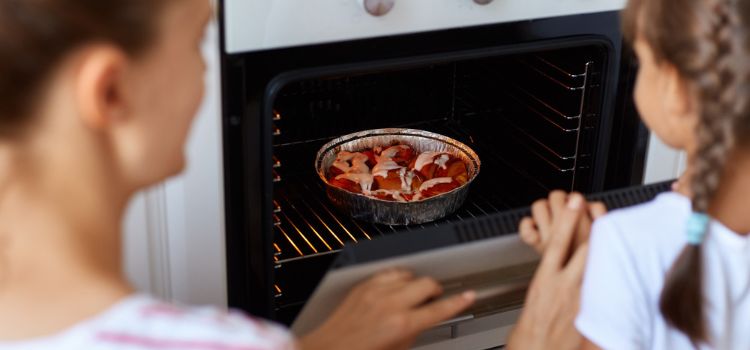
[[144, 323]]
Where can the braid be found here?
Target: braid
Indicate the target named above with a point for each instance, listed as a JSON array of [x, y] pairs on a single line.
[[717, 80], [716, 86]]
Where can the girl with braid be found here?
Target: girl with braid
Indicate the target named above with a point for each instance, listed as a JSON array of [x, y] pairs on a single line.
[[674, 273]]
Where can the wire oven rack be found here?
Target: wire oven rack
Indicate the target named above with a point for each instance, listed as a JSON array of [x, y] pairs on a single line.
[[537, 106]]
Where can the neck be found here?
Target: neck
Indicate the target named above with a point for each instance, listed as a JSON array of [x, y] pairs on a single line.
[[730, 202], [60, 215]]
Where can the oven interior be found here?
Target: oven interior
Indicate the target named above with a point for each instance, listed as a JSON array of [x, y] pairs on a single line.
[[532, 117]]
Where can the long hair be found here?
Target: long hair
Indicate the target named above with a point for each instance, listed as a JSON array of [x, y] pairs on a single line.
[[706, 42]]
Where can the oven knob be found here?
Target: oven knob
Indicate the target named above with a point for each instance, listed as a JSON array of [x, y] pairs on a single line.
[[378, 7], [482, 2]]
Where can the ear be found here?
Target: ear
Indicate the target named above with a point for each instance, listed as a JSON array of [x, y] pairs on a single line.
[[100, 86]]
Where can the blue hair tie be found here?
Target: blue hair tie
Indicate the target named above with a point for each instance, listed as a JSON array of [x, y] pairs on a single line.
[[697, 226]]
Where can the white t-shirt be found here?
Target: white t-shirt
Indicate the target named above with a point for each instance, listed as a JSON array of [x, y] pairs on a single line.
[[630, 254], [143, 323]]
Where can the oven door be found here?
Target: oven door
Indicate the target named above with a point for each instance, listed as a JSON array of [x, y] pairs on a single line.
[[484, 255], [570, 75]]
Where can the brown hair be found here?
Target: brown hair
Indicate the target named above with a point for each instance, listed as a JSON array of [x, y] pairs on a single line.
[[35, 35], [706, 42]]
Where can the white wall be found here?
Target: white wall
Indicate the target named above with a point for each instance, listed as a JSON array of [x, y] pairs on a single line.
[[662, 162], [174, 232]]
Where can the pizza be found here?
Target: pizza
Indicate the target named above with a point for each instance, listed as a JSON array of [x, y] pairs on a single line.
[[397, 173]]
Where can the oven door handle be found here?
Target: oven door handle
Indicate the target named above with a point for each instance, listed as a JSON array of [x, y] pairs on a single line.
[[501, 289], [492, 297]]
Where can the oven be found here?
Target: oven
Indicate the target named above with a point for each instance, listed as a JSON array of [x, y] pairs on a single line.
[[541, 90]]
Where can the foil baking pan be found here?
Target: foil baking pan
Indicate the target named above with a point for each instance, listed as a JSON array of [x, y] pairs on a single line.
[[380, 211]]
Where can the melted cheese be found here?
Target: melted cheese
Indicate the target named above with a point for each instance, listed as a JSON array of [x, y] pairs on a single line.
[[384, 166], [355, 169], [395, 194], [442, 161], [391, 152], [430, 158], [364, 180], [358, 162], [434, 182]]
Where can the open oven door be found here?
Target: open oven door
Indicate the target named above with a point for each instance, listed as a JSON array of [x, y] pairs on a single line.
[[482, 254]]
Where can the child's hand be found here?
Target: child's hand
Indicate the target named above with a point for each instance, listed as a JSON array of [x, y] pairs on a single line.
[[537, 230], [682, 185], [553, 298], [388, 311]]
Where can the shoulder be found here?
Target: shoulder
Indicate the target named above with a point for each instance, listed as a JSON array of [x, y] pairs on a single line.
[[630, 250], [147, 322], [654, 226], [640, 243]]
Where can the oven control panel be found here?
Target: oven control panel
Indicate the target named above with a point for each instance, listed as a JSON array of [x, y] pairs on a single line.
[[253, 25], [382, 7]]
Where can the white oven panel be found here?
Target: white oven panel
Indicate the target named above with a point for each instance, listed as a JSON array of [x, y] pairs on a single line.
[[253, 25], [662, 162]]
